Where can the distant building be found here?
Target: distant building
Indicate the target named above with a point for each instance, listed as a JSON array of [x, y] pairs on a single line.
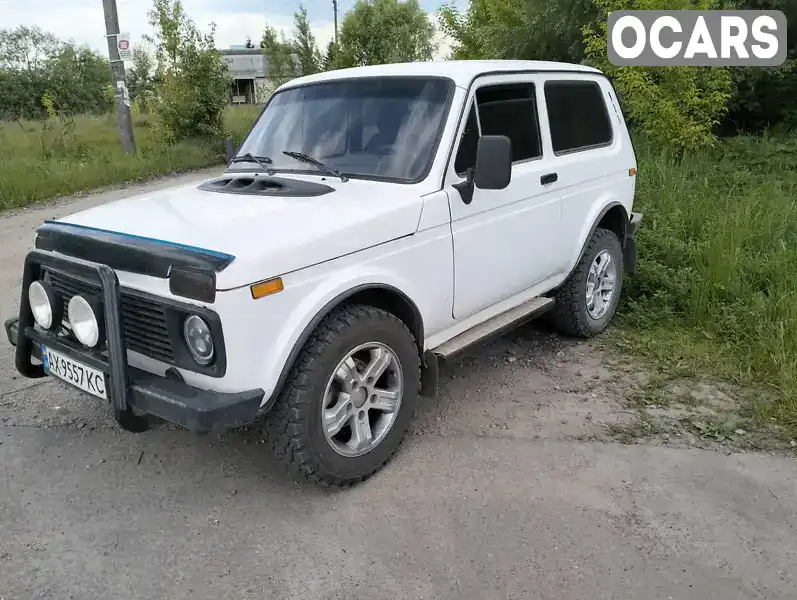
[[249, 70]]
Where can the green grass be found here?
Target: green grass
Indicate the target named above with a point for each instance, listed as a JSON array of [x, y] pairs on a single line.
[[38, 163], [716, 289]]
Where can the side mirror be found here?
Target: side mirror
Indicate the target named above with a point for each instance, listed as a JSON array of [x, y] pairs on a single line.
[[493, 162], [230, 150], [493, 170]]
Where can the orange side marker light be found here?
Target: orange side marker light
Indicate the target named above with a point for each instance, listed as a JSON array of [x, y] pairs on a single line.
[[266, 288]]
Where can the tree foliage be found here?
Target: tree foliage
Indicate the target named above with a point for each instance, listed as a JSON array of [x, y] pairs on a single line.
[[330, 60], [34, 63], [141, 79], [291, 57], [280, 54], [194, 82], [377, 32], [765, 97], [677, 107], [304, 44], [518, 29]]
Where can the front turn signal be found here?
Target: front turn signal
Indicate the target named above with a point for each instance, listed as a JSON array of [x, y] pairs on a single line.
[[266, 288], [631, 172]]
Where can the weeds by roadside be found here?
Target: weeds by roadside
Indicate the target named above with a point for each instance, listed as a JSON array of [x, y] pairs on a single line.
[[716, 290], [58, 156]]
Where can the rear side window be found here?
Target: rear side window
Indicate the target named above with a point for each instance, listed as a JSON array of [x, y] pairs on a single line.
[[577, 115]]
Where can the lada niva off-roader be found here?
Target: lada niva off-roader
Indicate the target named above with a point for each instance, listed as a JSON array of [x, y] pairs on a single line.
[[375, 221]]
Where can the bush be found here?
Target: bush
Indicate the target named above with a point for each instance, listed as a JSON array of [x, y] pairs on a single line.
[[763, 98], [194, 84], [674, 107]]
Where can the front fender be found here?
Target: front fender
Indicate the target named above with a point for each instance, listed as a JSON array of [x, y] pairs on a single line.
[[312, 301]]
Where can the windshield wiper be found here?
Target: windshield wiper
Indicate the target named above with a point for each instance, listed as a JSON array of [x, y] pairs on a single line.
[[263, 161], [306, 158]]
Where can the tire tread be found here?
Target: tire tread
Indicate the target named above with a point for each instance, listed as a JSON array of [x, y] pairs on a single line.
[[284, 427], [567, 315]]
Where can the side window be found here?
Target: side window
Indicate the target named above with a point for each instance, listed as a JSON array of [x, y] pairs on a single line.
[[509, 110], [577, 114]]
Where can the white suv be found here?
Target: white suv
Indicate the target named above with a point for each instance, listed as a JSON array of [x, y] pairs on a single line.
[[374, 222]]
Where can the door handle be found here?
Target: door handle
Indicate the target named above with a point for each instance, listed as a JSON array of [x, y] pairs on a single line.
[[548, 178]]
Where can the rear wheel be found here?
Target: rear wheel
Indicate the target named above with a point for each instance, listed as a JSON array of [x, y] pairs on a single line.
[[349, 398], [587, 301]]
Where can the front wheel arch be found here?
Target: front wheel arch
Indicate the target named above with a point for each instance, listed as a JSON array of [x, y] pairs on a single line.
[[378, 295]]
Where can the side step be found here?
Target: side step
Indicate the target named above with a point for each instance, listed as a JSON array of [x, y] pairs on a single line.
[[494, 327]]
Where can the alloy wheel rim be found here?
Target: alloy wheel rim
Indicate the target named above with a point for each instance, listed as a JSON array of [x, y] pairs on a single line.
[[362, 399], [601, 284]]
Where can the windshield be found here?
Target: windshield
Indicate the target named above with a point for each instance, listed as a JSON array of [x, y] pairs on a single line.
[[381, 127]]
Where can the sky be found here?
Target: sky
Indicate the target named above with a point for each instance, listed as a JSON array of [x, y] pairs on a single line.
[[82, 20]]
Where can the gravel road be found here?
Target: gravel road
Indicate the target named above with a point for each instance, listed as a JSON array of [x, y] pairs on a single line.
[[507, 487]]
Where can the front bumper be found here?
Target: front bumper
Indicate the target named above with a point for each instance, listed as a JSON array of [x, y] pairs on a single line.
[[129, 389]]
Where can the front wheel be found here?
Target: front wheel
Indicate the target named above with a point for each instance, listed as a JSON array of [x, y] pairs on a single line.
[[587, 301], [349, 398]]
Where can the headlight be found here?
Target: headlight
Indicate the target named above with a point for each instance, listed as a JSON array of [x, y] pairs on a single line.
[[199, 340], [84, 322], [45, 306]]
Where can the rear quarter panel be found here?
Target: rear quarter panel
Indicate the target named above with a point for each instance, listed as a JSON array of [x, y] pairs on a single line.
[[592, 179]]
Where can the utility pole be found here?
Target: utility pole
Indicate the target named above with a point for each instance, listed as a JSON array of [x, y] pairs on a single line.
[[335, 9], [124, 120]]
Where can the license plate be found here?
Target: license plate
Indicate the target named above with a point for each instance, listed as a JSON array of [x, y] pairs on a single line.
[[79, 375]]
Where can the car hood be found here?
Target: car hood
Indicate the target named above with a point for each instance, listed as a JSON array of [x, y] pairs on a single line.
[[267, 235]]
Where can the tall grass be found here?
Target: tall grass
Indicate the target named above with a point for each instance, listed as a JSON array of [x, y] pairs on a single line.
[[39, 161], [717, 281]]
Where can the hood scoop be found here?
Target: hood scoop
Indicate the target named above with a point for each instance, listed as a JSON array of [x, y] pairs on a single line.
[[259, 185]]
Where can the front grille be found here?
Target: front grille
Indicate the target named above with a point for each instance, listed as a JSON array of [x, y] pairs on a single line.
[[144, 321]]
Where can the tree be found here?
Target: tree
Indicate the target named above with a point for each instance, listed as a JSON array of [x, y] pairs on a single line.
[[279, 52], [27, 48], [304, 44], [385, 31], [675, 107], [141, 78], [518, 29], [291, 57], [194, 86], [77, 81], [330, 58], [764, 97], [249, 43], [35, 64]]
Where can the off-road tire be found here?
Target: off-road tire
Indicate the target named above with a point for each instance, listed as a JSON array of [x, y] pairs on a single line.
[[293, 427], [569, 315]]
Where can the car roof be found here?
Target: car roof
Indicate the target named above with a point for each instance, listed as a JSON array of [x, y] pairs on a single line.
[[461, 71]]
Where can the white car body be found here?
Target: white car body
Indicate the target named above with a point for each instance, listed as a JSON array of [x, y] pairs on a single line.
[[453, 266]]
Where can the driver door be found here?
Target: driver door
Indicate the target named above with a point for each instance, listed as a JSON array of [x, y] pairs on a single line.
[[505, 241]]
